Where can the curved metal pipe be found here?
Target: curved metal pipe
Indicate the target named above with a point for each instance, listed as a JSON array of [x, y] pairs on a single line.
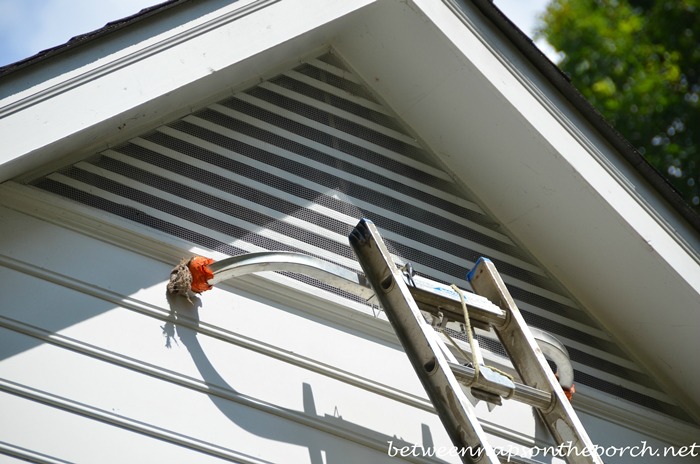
[[283, 261], [555, 351]]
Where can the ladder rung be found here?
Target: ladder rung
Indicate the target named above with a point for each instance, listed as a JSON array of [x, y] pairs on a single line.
[[510, 390], [434, 297]]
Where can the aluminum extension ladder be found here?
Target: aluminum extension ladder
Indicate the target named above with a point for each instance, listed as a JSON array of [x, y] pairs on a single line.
[[403, 296]]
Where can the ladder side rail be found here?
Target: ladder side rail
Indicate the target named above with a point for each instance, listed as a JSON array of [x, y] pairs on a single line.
[[528, 360], [419, 342]]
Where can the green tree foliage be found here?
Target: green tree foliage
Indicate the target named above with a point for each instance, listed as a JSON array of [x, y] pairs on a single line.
[[638, 63]]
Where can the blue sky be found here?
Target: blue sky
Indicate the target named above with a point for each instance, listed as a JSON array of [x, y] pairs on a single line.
[[29, 26]]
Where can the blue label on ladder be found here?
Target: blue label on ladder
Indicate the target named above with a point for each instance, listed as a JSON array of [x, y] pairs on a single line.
[[470, 274]]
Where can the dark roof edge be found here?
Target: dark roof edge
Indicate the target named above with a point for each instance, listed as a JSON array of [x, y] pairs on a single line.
[[82, 39], [563, 84]]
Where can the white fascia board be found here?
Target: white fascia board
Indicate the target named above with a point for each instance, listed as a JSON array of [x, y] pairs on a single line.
[[86, 107], [537, 166]]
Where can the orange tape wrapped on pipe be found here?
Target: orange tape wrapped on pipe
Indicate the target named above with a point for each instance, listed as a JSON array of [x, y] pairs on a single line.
[[191, 275]]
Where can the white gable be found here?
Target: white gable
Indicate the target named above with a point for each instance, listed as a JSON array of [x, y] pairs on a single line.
[[536, 171]]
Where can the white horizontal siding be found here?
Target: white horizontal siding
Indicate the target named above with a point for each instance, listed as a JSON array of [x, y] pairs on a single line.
[[42, 433], [226, 423]]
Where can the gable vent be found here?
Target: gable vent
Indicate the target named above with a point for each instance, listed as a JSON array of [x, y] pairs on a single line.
[[294, 162]]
